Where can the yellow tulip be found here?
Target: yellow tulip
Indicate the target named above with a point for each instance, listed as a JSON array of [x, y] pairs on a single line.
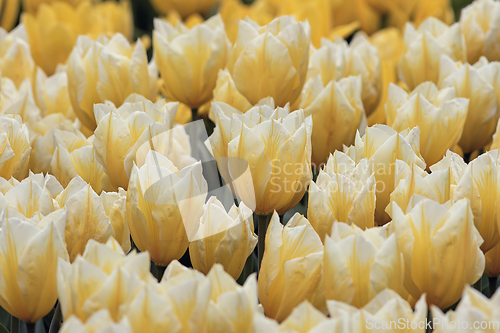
[[119, 129], [167, 203], [291, 267], [19, 101], [438, 113], [431, 237], [74, 155], [384, 148], [225, 91], [16, 62], [337, 112], [232, 11], [279, 52], [189, 59], [31, 6], [53, 30], [389, 43], [275, 143], [223, 238], [357, 10], [51, 94], [478, 84], [492, 262], [384, 312], [14, 147], [99, 322], [174, 18], [479, 23], [441, 9], [474, 311], [317, 12], [103, 278], [480, 184], [185, 7], [424, 46], [454, 164], [345, 195], [28, 265], [107, 69], [8, 15], [359, 264], [413, 180], [303, 319]]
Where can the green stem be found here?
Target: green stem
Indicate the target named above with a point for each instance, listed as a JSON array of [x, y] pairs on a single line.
[[160, 270], [263, 222], [428, 329], [14, 325], [55, 324], [194, 114], [493, 285], [30, 327], [479, 285]]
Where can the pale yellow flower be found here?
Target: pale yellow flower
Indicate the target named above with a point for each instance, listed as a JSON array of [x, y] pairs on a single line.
[[99, 322], [51, 94], [18, 101], [14, 147], [16, 62]]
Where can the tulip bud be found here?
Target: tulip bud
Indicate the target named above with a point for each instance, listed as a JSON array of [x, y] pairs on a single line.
[[297, 247], [423, 49], [431, 237], [10, 12], [99, 322], [337, 110], [276, 145], [343, 193], [279, 52], [385, 149], [164, 202], [15, 58], [223, 238], [102, 278], [479, 23], [189, 60], [14, 147], [474, 83], [28, 260], [107, 69], [371, 252]]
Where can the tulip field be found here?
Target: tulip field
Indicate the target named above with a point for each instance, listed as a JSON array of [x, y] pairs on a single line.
[[230, 166]]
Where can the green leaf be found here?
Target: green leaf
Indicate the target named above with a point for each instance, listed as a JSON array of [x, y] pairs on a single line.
[[3, 329]]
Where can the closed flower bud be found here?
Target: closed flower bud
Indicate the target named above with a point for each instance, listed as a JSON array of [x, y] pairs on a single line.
[[107, 69], [189, 59], [424, 46], [10, 12], [291, 267], [343, 193], [223, 238], [431, 236], [28, 263], [438, 113]]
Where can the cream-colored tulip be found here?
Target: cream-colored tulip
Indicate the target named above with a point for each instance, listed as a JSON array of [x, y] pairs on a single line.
[[279, 52], [438, 113], [342, 192], [480, 184], [455, 165], [291, 267], [51, 94], [92, 216], [431, 237], [386, 312], [107, 69], [16, 62], [358, 264], [14, 147], [337, 112], [74, 155], [424, 46], [413, 180], [474, 83], [276, 144], [164, 206], [19, 101], [223, 238], [303, 319], [480, 25], [385, 149], [492, 262], [189, 59], [99, 322], [28, 266], [335, 60], [474, 311], [119, 129], [103, 278], [225, 91]]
